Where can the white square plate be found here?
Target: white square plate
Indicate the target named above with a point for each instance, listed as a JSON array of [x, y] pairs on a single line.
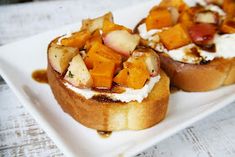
[[20, 59]]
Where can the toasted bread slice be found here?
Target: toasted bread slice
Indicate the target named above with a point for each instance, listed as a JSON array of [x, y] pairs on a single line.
[[199, 77], [107, 115]]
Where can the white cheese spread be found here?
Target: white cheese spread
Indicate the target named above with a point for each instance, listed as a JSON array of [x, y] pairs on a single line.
[[127, 96], [224, 48], [211, 7]]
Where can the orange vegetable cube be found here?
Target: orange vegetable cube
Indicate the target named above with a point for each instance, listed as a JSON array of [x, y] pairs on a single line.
[[229, 7], [99, 52], [186, 19], [121, 77], [95, 37], [175, 37], [179, 4], [159, 18], [109, 26], [102, 74], [228, 26], [137, 77], [77, 39]]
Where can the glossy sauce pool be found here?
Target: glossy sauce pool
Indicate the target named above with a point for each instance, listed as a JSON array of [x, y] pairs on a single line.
[[40, 76]]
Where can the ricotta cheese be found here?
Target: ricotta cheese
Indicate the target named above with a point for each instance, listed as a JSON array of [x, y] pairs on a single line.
[[127, 96], [211, 7], [224, 48]]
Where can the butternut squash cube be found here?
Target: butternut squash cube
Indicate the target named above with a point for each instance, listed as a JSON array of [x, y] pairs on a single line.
[[99, 52], [121, 77], [109, 26], [179, 4], [95, 37], [229, 7], [175, 37], [77, 39], [102, 74], [186, 19], [159, 18], [137, 77], [228, 26]]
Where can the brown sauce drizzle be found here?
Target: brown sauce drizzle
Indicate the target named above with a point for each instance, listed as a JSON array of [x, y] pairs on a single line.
[[115, 89], [104, 99], [210, 48], [231, 23], [104, 134], [40, 76]]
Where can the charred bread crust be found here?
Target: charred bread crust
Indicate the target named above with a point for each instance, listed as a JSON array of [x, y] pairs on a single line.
[[111, 116], [199, 77]]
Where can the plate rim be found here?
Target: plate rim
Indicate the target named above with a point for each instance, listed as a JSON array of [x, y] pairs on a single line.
[[53, 134]]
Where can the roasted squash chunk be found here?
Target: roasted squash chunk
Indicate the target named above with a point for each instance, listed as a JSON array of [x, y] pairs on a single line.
[[179, 4], [138, 73], [159, 18], [228, 26], [186, 19], [99, 52], [229, 7], [95, 37], [137, 77], [102, 74], [121, 77], [77, 39], [109, 26], [175, 37]]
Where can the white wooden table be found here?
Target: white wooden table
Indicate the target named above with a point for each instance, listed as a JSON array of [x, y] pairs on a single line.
[[20, 135]]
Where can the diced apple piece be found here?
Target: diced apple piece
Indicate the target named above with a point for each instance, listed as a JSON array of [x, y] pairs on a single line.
[[122, 41], [60, 56], [206, 17], [102, 74], [78, 74], [97, 23], [203, 33], [174, 14], [175, 37], [78, 39]]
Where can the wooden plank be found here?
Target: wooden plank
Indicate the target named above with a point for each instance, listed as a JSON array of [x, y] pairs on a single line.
[[20, 135]]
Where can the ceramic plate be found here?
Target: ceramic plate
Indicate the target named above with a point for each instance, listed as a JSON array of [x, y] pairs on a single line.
[[20, 59]]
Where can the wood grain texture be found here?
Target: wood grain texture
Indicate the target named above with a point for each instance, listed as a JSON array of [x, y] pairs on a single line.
[[20, 135]]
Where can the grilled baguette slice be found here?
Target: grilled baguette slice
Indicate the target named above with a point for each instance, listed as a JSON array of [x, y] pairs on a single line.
[[108, 115], [199, 77]]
